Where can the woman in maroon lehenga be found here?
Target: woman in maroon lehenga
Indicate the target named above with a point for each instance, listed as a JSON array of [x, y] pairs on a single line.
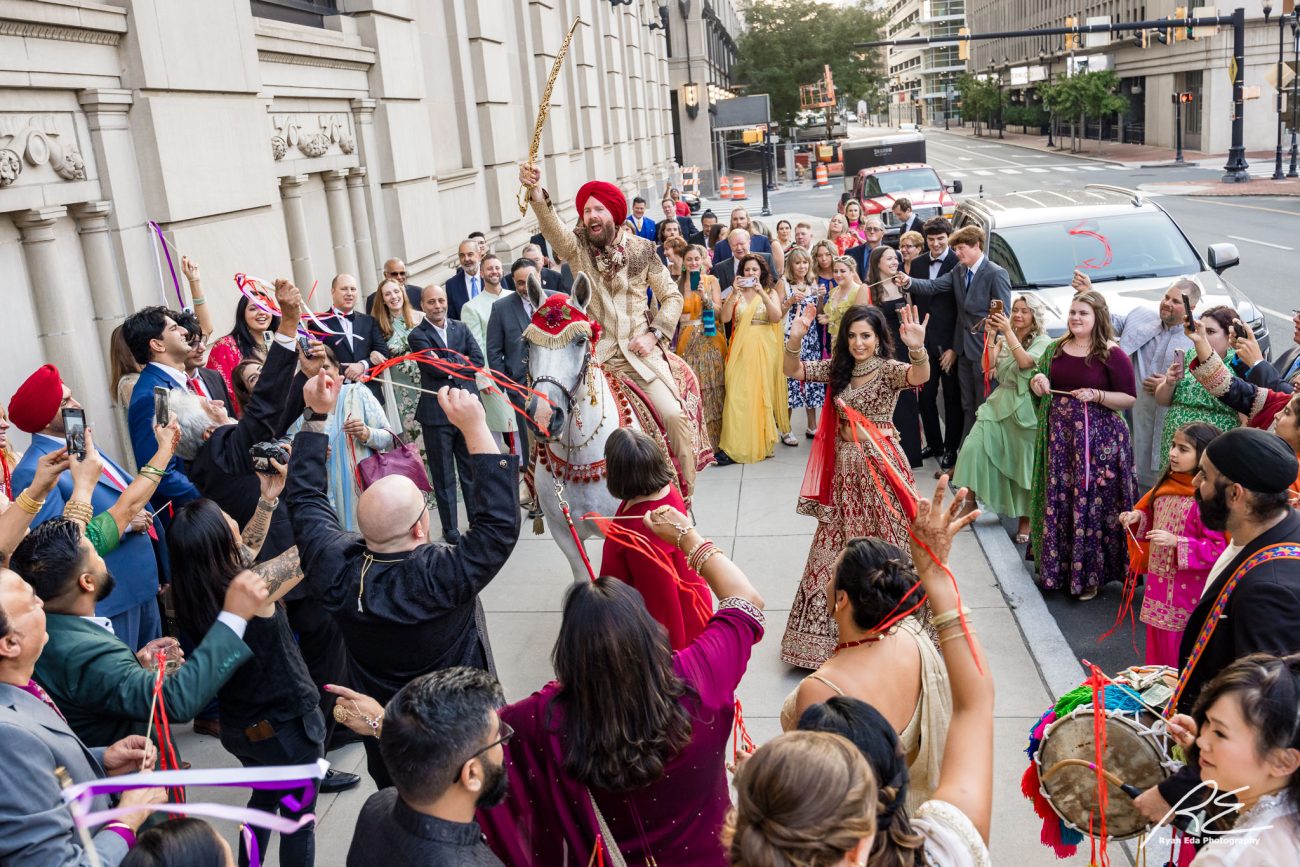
[[1083, 467], [862, 488]]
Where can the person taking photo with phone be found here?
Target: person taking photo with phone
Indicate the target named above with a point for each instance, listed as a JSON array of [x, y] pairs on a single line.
[[756, 411], [1186, 400]]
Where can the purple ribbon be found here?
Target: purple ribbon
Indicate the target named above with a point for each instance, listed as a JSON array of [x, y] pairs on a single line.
[[176, 281]]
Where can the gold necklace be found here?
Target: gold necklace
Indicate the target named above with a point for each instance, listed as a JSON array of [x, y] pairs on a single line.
[[862, 368]]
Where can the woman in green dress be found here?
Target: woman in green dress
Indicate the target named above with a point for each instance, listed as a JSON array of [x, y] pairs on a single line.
[[1187, 399], [997, 459]]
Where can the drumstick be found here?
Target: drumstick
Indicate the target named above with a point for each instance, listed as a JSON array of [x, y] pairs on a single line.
[[1131, 791]]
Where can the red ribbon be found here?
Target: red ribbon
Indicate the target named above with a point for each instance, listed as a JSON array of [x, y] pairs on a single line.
[[639, 543], [739, 734], [167, 760], [1098, 682]]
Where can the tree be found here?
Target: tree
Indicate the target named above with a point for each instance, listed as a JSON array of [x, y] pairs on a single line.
[[979, 98], [1099, 98], [790, 41]]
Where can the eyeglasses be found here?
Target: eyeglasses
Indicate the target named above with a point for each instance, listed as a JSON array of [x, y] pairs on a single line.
[[396, 273], [504, 734]]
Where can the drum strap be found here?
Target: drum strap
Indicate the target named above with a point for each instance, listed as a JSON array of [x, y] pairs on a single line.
[[1263, 555]]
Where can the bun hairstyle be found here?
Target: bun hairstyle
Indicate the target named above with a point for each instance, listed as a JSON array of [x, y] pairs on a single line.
[[879, 580], [805, 798]]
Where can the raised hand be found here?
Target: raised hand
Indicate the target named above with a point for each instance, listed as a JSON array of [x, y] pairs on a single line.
[[1080, 282], [1000, 322], [802, 323], [48, 470], [167, 436], [85, 471], [358, 710], [289, 297], [321, 393], [936, 526], [190, 269], [668, 524], [311, 361], [912, 327], [271, 485], [1247, 347], [530, 175]]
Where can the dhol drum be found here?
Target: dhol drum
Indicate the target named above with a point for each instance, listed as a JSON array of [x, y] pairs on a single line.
[[1137, 754]]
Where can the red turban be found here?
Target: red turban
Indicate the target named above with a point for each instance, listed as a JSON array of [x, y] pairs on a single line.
[[608, 195], [34, 404]]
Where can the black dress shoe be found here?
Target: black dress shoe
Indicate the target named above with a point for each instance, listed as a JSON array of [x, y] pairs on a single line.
[[929, 452], [948, 461], [337, 781], [723, 459]]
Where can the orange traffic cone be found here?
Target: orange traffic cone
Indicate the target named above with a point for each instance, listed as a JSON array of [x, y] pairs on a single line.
[[823, 179], [724, 188], [738, 189]]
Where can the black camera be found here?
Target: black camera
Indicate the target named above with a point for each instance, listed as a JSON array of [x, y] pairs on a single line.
[[262, 454]]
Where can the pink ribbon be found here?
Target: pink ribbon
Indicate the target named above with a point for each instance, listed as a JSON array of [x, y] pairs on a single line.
[[258, 297], [1087, 449]]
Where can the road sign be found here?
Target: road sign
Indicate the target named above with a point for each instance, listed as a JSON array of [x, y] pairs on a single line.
[[1097, 40], [1288, 75]]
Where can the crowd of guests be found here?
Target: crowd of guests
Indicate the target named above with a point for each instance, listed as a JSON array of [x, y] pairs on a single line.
[[305, 600]]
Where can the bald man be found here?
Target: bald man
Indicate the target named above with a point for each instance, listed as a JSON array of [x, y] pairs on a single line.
[[406, 605], [395, 269]]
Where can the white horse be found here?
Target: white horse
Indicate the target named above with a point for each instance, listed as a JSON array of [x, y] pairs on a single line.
[[572, 429]]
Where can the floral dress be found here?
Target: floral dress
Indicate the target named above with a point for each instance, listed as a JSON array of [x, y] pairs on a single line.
[[857, 507], [806, 394]]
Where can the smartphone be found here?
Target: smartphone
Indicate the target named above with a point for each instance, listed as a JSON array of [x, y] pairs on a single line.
[[304, 344], [74, 432], [996, 307], [1239, 329], [695, 279], [1187, 311], [160, 414]]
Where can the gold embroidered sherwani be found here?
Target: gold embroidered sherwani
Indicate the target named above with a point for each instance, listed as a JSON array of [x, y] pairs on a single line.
[[619, 303]]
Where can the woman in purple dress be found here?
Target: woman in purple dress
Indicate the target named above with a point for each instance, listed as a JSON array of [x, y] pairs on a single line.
[[631, 740], [1083, 466]]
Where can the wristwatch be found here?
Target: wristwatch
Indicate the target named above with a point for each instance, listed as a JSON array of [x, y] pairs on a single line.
[[309, 414], [659, 335]]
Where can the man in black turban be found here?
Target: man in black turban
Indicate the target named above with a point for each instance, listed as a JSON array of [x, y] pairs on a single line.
[[1243, 488]]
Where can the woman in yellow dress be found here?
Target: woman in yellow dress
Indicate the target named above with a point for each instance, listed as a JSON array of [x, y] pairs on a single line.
[[700, 341], [848, 292], [755, 411]]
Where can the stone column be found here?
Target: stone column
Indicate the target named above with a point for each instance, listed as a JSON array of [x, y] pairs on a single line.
[[361, 228], [101, 269], [295, 223], [363, 119], [336, 203], [61, 313]]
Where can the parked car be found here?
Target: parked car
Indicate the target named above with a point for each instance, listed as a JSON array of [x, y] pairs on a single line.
[[1127, 244]]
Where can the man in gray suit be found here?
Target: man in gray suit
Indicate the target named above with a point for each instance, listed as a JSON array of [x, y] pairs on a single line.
[[739, 242], [506, 352], [35, 825], [975, 283]]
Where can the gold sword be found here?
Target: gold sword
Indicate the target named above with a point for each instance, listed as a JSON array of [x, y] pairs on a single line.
[[544, 112]]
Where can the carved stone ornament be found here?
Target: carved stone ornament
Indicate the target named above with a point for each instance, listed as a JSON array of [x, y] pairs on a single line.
[[295, 132], [37, 141]]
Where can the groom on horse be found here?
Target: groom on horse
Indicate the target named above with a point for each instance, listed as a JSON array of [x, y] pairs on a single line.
[[632, 345]]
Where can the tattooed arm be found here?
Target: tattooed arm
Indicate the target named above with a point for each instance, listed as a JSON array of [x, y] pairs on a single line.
[[281, 573], [272, 485]]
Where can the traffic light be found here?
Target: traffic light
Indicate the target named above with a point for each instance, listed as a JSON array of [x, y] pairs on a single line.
[[1140, 39], [1181, 31], [1071, 39], [1186, 96], [963, 45], [1162, 35]]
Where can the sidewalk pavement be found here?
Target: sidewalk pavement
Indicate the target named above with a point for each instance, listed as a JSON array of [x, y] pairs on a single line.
[[749, 512], [1133, 155]]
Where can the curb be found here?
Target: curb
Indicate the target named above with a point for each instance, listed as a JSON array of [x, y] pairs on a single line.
[[1056, 664], [1025, 147]]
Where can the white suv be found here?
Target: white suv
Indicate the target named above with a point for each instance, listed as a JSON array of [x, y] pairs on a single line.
[[1128, 246]]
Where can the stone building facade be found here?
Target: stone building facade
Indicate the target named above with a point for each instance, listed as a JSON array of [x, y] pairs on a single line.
[[381, 128]]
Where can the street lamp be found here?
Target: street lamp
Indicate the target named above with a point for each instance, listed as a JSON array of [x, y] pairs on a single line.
[[1295, 88], [1043, 59], [1281, 28]]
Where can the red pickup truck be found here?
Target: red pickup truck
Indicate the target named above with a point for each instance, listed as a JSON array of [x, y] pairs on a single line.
[[881, 169]]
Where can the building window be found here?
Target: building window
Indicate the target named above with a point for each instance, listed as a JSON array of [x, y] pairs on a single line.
[[309, 12]]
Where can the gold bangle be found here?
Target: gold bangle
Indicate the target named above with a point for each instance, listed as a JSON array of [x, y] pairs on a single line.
[[699, 567], [939, 621], [79, 511], [27, 504], [952, 635]]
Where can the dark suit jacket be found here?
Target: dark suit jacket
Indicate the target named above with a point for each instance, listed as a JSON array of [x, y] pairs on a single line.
[[566, 278], [551, 280], [176, 486], [459, 339], [390, 832], [913, 224], [413, 294], [1272, 376], [990, 281], [1262, 616], [223, 469], [215, 383], [104, 691], [135, 563], [860, 255], [757, 244], [726, 271], [35, 825], [366, 338], [688, 227], [506, 352], [941, 308], [458, 293]]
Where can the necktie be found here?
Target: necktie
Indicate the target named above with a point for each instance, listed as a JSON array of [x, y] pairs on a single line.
[[33, 688], [969, 276], [1294, 369], [195, 386], [473, 287]]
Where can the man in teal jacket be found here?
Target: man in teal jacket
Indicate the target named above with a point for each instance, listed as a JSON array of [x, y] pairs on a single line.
[[99, 684]]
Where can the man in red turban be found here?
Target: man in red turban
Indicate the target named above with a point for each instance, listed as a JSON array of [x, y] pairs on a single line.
[[622, 267]]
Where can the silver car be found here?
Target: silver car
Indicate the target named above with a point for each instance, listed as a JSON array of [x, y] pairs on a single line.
[[1128, 246]]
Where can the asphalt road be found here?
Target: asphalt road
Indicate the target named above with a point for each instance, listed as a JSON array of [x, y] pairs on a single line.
[[1265, 229]]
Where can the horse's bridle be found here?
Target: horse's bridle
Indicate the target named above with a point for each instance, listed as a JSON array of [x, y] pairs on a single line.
[[569, 394]]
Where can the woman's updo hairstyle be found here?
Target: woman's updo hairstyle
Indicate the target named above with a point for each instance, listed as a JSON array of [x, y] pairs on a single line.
[[879, 580], [805, 798]]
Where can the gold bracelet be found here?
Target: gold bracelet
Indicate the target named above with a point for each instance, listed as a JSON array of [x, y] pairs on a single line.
[[699, 567], [939, 621], [27, 504], [790, 351], [950, 636], [79, 511]]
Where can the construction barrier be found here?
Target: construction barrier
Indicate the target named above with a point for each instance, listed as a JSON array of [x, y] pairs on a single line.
[[691, 181], [738, 189], [724, 188], [823, 178]]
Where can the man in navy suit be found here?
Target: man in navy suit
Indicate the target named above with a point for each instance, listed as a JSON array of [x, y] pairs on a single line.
[[940, 441], [37, 407], [161, 345], [642, 225], [358, 341], [907, 221], [506, 350], [875, 231], [757, 243], [974, 282], [443, 441], [466, 282], [670, 213]]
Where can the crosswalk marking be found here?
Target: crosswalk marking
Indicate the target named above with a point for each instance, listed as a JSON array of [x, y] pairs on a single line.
[[1092, 168], [1036, 170], [982, 173], [1009, 171], [1064, 169]]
